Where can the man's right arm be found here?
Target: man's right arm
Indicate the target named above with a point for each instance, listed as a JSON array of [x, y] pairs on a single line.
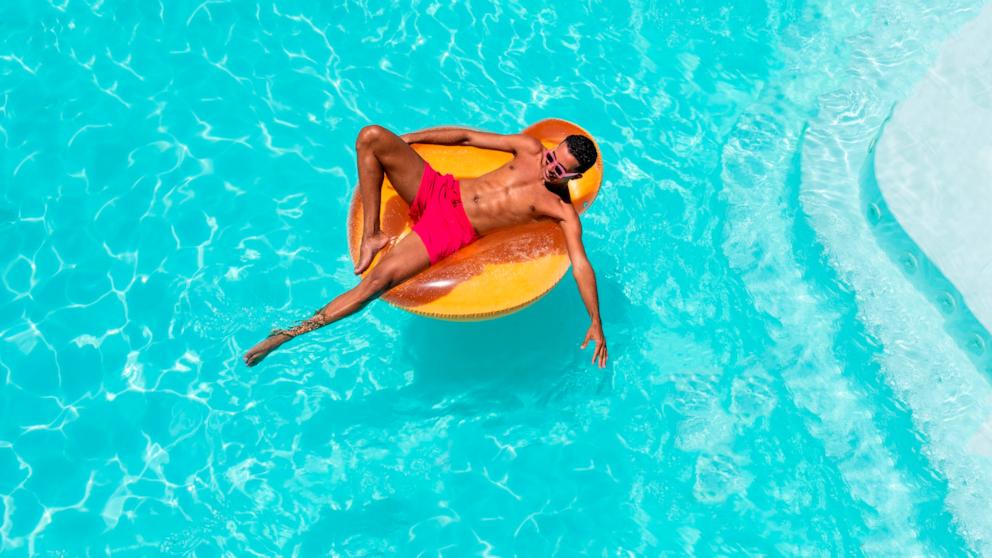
[[511, 143], [585, 277]]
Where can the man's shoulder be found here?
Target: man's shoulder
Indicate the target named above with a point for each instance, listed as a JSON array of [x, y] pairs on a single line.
[[527, 145], [551, 205]]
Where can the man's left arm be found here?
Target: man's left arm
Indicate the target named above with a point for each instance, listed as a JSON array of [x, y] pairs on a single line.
[[584, 275]]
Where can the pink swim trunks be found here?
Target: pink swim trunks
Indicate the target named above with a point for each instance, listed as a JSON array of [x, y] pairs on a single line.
[[438, 216]]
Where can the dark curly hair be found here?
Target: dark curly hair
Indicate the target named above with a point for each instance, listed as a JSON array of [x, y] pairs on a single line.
[[584, 151]]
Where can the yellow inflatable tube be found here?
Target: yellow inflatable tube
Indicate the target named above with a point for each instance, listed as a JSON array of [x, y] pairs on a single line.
[[499, 273]]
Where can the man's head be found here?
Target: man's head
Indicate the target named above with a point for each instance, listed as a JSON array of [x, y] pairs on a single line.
[[569, 159]]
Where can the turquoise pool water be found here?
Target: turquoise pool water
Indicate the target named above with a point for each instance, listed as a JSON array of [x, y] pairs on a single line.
[[174, 181]]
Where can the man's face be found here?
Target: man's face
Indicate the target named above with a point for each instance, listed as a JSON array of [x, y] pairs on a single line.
[[560, 165]]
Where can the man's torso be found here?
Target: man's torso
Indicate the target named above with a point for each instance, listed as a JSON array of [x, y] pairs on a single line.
[[510, 195]]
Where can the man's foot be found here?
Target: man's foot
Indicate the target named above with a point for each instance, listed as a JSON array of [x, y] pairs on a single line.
[[263, 348], [370, 247]]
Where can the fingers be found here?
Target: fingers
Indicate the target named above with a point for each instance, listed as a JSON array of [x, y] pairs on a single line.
[[599, 355]]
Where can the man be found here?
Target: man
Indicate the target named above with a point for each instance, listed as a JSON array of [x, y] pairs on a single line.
[[520, 191]]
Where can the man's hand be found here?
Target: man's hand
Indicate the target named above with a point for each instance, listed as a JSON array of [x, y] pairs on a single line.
[[595, 334]]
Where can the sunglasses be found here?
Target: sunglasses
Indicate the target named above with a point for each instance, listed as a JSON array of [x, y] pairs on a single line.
[[557, 168]]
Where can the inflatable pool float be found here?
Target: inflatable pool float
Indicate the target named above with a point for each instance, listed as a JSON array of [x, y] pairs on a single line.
[[499, 273]]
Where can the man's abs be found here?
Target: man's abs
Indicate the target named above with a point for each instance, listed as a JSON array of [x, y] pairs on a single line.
[[491, 206]]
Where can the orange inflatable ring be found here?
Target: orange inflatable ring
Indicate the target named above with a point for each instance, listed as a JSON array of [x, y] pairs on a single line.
[[499, 273]]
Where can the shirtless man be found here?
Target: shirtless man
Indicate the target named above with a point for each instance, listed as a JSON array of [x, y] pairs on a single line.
[[520, 191]]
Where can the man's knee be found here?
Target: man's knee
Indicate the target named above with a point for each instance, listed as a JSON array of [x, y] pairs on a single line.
[[369, 135], [381, 278]]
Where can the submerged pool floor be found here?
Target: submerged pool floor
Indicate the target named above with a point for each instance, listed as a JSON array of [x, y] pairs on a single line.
[[934, 164]]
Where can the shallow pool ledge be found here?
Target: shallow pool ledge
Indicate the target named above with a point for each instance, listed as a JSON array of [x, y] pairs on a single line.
[[934, 164]]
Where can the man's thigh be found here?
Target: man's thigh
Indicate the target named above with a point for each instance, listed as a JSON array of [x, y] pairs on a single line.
[[407, 258], [403, 166]]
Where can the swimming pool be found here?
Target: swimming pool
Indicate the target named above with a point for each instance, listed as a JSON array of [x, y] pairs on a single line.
[[174, 181]]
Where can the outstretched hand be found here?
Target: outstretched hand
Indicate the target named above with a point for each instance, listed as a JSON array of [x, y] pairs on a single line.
[[595, 334]]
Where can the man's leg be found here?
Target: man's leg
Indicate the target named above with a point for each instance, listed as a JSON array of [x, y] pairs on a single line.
[[406, 259], [381, 152]]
